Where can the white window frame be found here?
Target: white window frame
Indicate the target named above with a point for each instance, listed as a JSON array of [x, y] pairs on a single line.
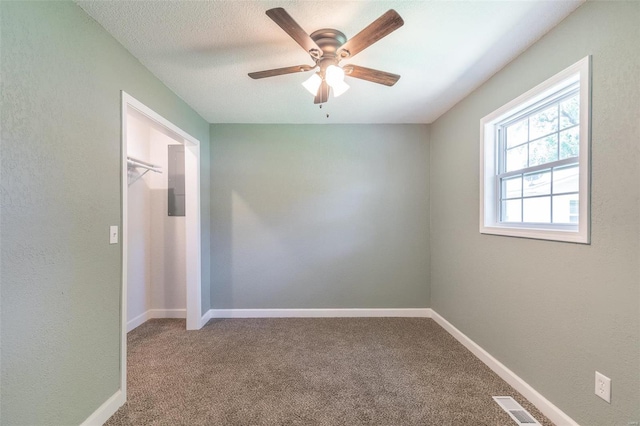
[[489, 152]]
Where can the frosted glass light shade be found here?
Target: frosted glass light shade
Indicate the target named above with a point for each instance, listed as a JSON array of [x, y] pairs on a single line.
[[334, 75], [312, 84], [335, 78], [339, 88]]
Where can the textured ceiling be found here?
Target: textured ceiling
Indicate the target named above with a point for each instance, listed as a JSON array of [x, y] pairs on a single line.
[[203, 51]]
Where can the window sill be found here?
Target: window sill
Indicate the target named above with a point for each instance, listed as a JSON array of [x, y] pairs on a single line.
[[566, 236]]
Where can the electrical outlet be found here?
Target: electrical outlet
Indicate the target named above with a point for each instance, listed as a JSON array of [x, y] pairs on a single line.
[[603, 387]]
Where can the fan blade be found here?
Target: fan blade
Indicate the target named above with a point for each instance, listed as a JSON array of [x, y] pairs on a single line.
[[323, 93], [381, 27], [369, 74], [280, 71], [291, 27]]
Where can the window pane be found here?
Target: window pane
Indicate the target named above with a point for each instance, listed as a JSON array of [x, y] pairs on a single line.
[[516, 158], [534, 157], [543, 150], [570, 112], [517, 133], [570, 143], [512, 187], [536, 210], [543, 122], [537, 184], [566, 208], [512, 211], [565, 179]]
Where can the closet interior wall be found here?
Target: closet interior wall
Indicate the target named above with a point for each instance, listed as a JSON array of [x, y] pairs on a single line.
[[156, 268]]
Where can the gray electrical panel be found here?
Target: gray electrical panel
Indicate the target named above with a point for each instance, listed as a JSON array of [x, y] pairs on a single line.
[[175, 174]]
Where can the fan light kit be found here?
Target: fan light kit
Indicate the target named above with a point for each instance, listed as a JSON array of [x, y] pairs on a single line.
[[327, 47]]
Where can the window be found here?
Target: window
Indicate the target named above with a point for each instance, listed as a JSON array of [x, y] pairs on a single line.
[[534, 161]]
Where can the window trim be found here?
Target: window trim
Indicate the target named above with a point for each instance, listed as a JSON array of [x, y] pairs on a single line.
[[489, 192]]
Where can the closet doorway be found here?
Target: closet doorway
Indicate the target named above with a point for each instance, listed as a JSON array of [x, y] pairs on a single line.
[[161, 275]]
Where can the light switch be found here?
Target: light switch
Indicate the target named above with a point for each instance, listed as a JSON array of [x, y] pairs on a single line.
[[113, 234]]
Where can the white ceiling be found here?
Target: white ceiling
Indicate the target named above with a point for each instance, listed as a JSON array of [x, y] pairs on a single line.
[[203, 51]]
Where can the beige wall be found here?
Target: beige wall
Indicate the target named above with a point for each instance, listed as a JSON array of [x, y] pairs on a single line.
[[554, 313], [138, 220], [168, 235], [156, 248]]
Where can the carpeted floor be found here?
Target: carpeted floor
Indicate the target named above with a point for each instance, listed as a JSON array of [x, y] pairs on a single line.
[[308, 371]]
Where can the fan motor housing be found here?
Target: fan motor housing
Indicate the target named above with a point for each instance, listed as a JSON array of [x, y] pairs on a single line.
[[329, 40]]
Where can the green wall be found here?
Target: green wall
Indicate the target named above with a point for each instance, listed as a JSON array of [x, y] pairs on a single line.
[[554, 313], [306, 216], [61, 80], [319, 216]]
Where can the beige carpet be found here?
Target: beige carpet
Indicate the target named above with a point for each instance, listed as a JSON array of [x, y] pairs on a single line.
[[308, 371]]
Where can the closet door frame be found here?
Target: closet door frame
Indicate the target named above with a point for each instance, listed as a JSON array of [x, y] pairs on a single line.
[[193, 247]]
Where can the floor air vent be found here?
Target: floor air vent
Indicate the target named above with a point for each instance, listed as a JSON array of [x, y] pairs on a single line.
[[515, 410]]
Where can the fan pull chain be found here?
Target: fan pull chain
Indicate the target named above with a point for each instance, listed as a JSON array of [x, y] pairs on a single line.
[[321, 108]]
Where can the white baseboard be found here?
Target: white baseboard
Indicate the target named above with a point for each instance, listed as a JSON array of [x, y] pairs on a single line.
[[155, 313], [137, 321], [547, 408], [316, 313], [106, 410], [205, 318], [167, 313]]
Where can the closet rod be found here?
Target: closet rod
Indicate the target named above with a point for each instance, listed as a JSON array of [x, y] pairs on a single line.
[[139, 163]]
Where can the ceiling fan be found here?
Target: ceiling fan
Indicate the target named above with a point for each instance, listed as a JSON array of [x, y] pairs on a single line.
[[327, 47]]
